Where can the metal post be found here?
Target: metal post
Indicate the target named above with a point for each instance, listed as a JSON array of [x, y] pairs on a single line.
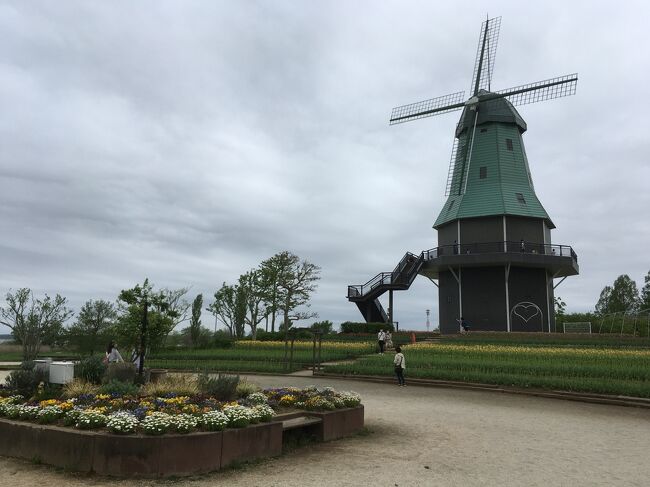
[[320, 345], [143, 338], [291, 356], [390, 307], [313, 357]]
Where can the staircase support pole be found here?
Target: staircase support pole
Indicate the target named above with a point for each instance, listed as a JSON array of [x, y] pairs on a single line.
[[390, 307]]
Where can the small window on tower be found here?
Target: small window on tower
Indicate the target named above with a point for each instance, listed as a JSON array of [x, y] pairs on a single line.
[[483, 131], [451, 205], [509, 144], [482, 172], [520, 198]]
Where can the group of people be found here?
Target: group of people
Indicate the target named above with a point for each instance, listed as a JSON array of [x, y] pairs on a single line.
[[113, 355], [385, 340]]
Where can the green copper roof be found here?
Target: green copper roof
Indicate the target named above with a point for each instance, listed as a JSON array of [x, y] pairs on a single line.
[[496, 179]]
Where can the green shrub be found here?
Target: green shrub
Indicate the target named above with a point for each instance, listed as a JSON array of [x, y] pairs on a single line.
[[25, 380], [121, 371], [245, 388], [48, 391], [119, 388], [350, 327], [91, 369], [223, 388]]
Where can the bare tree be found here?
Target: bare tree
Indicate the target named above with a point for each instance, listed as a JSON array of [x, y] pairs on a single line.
[[31, 319]]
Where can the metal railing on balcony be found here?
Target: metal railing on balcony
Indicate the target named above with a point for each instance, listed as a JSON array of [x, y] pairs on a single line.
[[410, 264]]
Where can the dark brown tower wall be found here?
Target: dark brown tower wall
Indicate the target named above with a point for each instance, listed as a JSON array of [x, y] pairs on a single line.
[[528, 285], [448, 302], [479, 230], [448, 233], [484, 304], [528, 229]]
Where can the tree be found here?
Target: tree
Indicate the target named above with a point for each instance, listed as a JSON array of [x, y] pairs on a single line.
[[138, 300], [644, 303], [625, 295], [176, 308], [296, 282], [254, 289], [325, 327], [230, 306], [603, 306], [195, 320], [271, 270], [30, 320], [622, 296], [93, 323]]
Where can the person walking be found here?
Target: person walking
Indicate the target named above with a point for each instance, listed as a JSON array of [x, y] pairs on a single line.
[[400, 365], [381, 339]]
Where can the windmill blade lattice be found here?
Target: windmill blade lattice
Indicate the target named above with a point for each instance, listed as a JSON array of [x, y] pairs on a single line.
[[485, 55], [542, 90], [428, 108]]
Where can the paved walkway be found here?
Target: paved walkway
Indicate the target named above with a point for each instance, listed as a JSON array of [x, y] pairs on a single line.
[[422, 436]]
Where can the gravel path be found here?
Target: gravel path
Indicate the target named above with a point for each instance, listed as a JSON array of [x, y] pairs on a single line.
[[423, 436]]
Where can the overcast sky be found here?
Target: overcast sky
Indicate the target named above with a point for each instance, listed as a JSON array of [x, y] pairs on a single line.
[[187, 141]]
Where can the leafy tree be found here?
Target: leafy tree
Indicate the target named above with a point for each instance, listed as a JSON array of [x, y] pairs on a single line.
[[195, 320], [645, 293], [325, 327], [176, 308], [254, 288], [622, 296], [154, 325], [625, 295], [271, 270], [603, 304], [30, 320], [92, 326], [230, 306]]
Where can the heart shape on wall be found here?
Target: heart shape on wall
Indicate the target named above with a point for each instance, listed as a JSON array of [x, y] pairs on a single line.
[[526, 311]]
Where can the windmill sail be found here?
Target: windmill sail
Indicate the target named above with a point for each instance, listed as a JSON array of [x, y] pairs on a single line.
[[428, 108], [485, 54]]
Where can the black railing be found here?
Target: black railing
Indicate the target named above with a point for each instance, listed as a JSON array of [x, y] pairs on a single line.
[[408, 267], [501, 247]]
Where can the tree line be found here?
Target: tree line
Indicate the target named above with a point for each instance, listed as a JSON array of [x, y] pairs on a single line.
[[277, 291]]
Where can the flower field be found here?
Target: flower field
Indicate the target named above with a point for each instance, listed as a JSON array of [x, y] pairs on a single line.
[[151, 415], [624, 371], [250, 356]]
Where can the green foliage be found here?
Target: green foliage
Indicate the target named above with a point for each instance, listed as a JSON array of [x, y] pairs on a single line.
[[48, 391], [622, 296], [25, 381], [195, 328], [121, 371], [120, 388], [350, 327], [91, 330], [90, 369], [244, 388], [230, 306], [560, 308], [325, 327], [223, 387], [644, 302]]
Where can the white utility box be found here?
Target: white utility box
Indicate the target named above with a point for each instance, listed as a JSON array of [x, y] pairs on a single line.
[[61, 372]]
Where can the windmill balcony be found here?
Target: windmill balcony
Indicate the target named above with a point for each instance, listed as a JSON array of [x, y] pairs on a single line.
[[558, 260]]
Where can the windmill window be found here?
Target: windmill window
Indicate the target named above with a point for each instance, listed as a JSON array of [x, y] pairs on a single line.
[[483, 131], [520, 198], [509, 144], [482, 172]]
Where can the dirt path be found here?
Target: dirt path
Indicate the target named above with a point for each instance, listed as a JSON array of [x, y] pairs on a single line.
[[435, 437]]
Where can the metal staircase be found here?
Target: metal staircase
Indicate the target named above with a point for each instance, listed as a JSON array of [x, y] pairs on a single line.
[[366, 296]]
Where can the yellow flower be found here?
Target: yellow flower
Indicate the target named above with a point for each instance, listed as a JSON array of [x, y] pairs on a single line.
[[287, 400], [49, 402], [102, 397]]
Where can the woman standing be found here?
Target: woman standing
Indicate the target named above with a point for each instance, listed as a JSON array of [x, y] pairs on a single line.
[[113, 354], [400, 365]]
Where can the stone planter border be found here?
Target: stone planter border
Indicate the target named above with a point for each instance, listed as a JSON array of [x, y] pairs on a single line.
[[160, 456]]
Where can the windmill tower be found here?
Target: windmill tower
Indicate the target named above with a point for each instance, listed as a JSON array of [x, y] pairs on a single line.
[[495, 262]]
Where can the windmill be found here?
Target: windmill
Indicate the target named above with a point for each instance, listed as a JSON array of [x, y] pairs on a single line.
[[495, 263]]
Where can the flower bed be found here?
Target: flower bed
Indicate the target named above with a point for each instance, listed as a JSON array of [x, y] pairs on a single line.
[[148, 415], [148, 436]]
